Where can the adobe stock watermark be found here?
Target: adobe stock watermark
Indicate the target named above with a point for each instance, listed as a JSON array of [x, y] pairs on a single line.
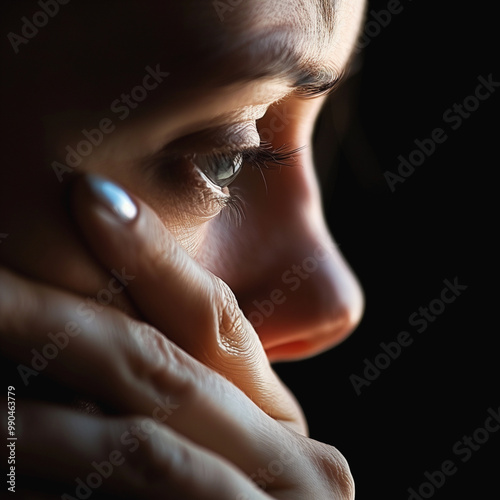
[[60, 340], [130, 440], [454, 118], [464, 449], [121, 107], [292, 278], [31, 27], [264, 476], [223, 7], [376, 22], [420, 320]]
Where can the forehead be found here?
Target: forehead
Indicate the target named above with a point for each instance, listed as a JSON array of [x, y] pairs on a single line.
[[108, 44], [251, 34]]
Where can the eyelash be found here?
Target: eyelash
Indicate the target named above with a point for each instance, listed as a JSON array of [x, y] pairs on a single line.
[[265, 156], [262, 157], [232, 203]]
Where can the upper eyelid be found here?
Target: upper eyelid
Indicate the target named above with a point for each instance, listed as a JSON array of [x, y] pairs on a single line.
[[166, 156], [173, 152], [230, 138], [262, 156]]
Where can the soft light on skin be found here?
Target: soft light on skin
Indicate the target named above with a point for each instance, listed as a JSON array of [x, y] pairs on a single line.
[[283, 224]]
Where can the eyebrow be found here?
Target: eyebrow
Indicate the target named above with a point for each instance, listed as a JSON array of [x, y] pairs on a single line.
[[276, 54], [313, 85]]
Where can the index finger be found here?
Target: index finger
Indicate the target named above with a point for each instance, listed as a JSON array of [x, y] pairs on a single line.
[[178, 296], [131, 368]]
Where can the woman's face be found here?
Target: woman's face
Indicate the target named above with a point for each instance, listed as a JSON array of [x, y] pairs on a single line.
[[172, 101]]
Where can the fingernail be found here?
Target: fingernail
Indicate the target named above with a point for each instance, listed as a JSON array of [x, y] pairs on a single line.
[[113, 197]]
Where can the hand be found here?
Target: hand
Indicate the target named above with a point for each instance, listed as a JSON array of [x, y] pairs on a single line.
[[183, 430]]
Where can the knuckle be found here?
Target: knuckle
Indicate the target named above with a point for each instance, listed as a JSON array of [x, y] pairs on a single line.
[[233, 328], [146, 349], [155, 362], [152, 455], [333, 466]]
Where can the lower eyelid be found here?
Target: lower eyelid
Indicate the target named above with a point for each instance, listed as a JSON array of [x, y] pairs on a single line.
[[186, 191], [212, 200], [206, 200]]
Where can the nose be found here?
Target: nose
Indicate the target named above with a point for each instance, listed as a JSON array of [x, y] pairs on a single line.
[[289, 276], [291, 280], [303, 298], [312, 305]]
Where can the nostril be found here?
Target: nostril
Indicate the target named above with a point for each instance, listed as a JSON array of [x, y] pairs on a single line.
[[318, 315], [307, 339]]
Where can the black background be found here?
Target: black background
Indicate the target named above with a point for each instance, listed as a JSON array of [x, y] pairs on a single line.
[[437, 225]]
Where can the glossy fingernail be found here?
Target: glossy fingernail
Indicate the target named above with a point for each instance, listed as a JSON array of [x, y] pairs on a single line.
[[113, 197]]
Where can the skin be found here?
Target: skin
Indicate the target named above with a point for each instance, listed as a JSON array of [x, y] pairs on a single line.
[[182, 234]]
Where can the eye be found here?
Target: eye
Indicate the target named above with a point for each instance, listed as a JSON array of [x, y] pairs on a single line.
[[219, 168]]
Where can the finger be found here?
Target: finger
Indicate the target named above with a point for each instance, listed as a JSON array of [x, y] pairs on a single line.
[[178, 296], [136, 370], [131, 368], [130, 457]]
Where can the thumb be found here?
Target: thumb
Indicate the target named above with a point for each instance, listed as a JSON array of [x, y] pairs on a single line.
[[176, 295]]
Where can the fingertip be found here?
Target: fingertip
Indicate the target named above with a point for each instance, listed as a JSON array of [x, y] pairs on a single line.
[[108, 195], [108, 220]]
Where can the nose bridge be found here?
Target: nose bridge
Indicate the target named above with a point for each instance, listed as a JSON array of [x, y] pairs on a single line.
[[291, 280], [302, 297]]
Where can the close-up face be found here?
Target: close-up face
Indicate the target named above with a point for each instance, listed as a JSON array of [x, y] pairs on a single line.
[[205, 110], [196, 198]]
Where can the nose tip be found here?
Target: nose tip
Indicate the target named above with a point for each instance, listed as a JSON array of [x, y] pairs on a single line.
[[309, 307]]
